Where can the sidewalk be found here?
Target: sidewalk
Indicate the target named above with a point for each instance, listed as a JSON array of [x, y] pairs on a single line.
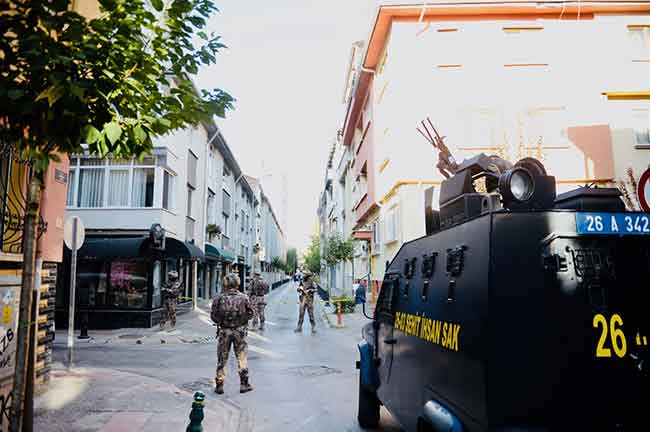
[[350, 321], [117, 400], [188, 330]]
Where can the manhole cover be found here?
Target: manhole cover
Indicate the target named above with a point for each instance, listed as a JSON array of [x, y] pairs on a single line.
[[198, 340], [311, 371], [130, 336], [203, 384]]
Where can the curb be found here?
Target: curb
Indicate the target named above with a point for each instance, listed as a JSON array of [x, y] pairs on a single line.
[[326, 317]]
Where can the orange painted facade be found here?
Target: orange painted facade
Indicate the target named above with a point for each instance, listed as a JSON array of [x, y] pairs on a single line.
[[53, 199]]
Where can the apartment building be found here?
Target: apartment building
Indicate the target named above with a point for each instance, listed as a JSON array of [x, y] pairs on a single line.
[[512, 79], [269, 238]]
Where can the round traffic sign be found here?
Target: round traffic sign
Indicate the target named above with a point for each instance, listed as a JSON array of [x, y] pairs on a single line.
[[74, 233], [643, 190]]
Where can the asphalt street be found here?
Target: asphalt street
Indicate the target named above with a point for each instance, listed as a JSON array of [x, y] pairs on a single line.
[[143, 380]]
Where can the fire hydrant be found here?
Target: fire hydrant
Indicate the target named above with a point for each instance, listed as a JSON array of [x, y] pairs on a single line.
[[196, 415]]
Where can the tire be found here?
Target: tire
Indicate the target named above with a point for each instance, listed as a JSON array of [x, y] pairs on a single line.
[[369, 405]]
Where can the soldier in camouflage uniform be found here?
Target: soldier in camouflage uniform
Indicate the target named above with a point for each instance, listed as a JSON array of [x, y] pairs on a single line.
[[170, 293], [258, 288], [231, 311], [306, 289]]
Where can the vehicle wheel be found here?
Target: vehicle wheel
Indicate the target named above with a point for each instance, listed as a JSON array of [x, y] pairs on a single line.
[[368, 408]]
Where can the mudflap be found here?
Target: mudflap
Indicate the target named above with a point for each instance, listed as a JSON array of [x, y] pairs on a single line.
[[367, 366]]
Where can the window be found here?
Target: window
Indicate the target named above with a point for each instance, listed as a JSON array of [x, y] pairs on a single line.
[[640, 36], [243, 220], [71, 187], [168, 191], [113, 183], [156, 282], [226, 232], [386, 302], [226, 203], [376, 238], [118, 188], [641, 124], [91, 183], [143, 182], [120, 284], [190, 193], [128, 284], [642, 136], [391, 225], [192, 163], [210, 206]]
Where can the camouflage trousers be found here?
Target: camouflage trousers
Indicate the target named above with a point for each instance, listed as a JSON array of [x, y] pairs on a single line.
[[168, 313], [237, 338], [309, 306], [258, 304]]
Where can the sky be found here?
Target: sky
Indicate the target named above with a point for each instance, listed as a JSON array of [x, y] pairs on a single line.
[[285, 65]]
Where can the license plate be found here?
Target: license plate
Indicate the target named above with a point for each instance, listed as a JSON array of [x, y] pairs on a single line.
[[613, 223]]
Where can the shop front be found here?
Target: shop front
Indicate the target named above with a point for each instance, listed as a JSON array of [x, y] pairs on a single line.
[[218, 262], [119, 281]]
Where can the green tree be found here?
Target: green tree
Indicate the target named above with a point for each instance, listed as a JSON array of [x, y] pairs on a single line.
[[312, 256], [278, 264], [292, 260], [338, 250], [113, 83]]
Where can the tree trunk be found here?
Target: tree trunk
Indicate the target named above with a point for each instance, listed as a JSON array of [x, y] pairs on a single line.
[[23, 344]]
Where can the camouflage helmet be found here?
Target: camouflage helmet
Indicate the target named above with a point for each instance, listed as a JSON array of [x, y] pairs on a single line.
[[231, 281], [172, 274]]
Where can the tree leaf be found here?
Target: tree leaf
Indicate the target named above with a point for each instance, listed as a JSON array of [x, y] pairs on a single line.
[[77, 91], [89, 134], [139, 134], [52, 93], [113, 131], [157, 4]]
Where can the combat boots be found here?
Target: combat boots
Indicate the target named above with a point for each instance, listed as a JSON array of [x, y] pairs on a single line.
[[245, 386], [219, 387]]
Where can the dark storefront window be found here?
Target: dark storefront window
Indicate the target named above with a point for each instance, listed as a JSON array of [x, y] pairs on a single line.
[[200, 281], [129, 284], [92, 283], [157, 279], [121, 284]]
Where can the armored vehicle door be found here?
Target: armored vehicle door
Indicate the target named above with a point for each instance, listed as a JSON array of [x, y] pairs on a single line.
[[597, 292], [385, 342]]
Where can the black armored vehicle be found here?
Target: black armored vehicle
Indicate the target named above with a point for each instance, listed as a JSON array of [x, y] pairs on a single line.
[[519, 310]]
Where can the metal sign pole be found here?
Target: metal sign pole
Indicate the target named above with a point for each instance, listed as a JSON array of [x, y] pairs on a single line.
[[73, 280]]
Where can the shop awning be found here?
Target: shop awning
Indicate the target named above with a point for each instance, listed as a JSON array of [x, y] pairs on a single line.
[[215, 253], [107, 248], [179, 249], [110, 248]]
